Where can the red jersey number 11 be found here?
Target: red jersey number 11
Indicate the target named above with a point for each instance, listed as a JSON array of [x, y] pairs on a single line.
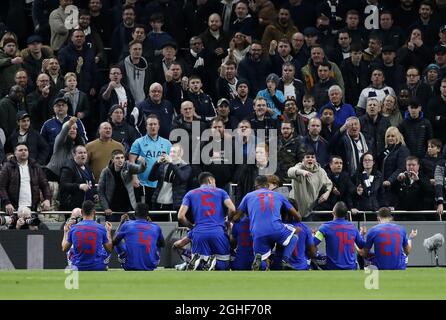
[[262, 197]]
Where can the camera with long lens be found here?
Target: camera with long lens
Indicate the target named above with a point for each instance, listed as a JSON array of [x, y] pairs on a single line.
[[8, 221], [76, 220], [73, 220], [33, 221]]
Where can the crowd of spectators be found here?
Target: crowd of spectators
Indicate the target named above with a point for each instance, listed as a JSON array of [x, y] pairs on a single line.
[[346, 97]]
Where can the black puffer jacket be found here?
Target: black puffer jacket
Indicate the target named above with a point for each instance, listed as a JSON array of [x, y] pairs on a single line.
[[194, 137], [255, 72], [416, 132], [86, 74]]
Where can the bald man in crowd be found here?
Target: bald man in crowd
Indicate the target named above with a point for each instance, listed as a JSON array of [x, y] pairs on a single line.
[[100, 150]]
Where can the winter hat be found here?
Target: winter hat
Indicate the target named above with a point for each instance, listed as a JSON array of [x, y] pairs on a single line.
[[433, 66], [114, 107], [9, 40], [240, 82], [274, 78]]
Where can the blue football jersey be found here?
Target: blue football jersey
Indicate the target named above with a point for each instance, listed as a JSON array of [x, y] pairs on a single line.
[[207, 206], [298, 258], [389, 241], [141, 239], [263, 207], [340, 238], [88, 238], [244, 254]]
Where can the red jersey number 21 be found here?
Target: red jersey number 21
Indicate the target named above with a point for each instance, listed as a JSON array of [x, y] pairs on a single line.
[[205, 202]]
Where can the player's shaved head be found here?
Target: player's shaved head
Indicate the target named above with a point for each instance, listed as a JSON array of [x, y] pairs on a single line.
[[261, 182], [340, 209], [141, 210]]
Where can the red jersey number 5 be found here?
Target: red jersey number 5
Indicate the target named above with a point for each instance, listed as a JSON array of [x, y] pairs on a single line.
[[205, 202]]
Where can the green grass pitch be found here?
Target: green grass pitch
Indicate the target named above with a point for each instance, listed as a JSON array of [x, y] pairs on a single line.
[[419, 283]]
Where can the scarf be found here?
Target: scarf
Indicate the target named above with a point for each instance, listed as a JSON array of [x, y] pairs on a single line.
[[355, 157], [74, 98], [227, 12]]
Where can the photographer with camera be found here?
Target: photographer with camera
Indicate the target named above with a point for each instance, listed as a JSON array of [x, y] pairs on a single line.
[[412, 190], [75, 217], [21, 182], [27, 221], [7, 222]]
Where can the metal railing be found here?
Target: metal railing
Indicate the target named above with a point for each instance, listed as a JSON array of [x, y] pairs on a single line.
[[364, 213], [169, 214]]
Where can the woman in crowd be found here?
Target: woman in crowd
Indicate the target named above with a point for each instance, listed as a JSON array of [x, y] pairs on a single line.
[[391, 110], [415, 52], [369, 195], [392, 161], [238, 47], [67, 138], [64, 143]]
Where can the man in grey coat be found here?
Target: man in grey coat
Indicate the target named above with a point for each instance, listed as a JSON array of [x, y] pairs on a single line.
[[115, 185]]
